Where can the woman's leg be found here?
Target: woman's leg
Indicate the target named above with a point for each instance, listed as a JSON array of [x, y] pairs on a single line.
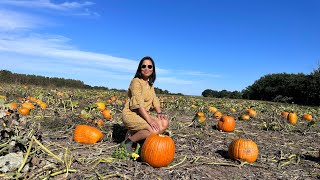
[[164, 124], [144, 133]]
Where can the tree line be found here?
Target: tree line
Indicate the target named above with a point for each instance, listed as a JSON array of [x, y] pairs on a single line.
[[9, 77], [298, 88], [282, 87]]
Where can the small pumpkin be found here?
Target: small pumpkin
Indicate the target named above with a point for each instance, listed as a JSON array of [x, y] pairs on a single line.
[[38, 101], [99, 122], [113, 98], [13, 105], [243, 149], [284, 114], [86, 134], [158, 150], [28, 105], [31, 98], [101, 106], [217, 115], [307, 117], [212, 109], [252, 113], [245, 117], [106, 114], [200, 114], [292, 118], [24, 111], [43, 105], [226, 124]]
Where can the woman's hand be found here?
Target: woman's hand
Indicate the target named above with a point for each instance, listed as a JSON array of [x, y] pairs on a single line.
[[154, 125], [162, 116]]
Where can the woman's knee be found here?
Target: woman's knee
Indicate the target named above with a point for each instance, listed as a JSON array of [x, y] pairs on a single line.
[[165, 123]]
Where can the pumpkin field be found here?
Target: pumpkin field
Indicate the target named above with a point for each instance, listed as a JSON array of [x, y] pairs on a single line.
[[38, 138]]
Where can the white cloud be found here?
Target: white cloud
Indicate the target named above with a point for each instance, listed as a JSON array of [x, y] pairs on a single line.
[[47, 54], [22, 50], [47, 4], [71, 8], [12, 21]]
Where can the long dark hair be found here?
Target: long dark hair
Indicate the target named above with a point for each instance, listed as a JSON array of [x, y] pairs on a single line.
[[152, 77]]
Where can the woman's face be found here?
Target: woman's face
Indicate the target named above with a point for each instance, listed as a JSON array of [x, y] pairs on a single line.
[[146, 68]]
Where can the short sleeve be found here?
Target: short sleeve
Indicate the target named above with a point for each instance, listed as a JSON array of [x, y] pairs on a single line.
[[136, 99], [155, 102]]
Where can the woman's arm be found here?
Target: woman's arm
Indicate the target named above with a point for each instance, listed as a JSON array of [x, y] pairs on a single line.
[[145, 115]]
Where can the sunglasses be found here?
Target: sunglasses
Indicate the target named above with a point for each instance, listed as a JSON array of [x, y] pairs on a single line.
[[144, 66]]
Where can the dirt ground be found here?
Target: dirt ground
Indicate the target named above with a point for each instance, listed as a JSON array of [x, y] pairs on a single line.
[[285, 151], [201, 153]]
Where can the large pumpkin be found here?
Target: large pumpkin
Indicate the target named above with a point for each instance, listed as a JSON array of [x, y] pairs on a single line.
[[226, 123], [158, 150], [292, 118], [243, 149], [85, 134]]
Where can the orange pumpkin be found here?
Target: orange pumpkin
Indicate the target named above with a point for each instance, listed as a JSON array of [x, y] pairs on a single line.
[[292, 118], [245, 117], [13, 105], [28, 105], [200, 114], [217, 115], [38, 101], [243, 149], [307, 117], [113, 98], [31, 98], [24, 111], [43, 105], [212, 109], [226, 124], [252, 113], [85, 134], [106, 114], [158, 150], [99, 122], [284, 114]]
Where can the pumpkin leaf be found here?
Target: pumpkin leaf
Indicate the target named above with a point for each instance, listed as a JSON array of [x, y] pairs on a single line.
[[135, 156], [311, 123]]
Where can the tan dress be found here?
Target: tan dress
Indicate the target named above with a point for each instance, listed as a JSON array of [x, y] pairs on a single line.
[[141, 95]]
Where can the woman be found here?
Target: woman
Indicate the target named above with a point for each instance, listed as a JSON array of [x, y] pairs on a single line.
[[135, 115]]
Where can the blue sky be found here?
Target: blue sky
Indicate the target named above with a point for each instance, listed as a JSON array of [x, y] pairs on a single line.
[[196, 44]]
